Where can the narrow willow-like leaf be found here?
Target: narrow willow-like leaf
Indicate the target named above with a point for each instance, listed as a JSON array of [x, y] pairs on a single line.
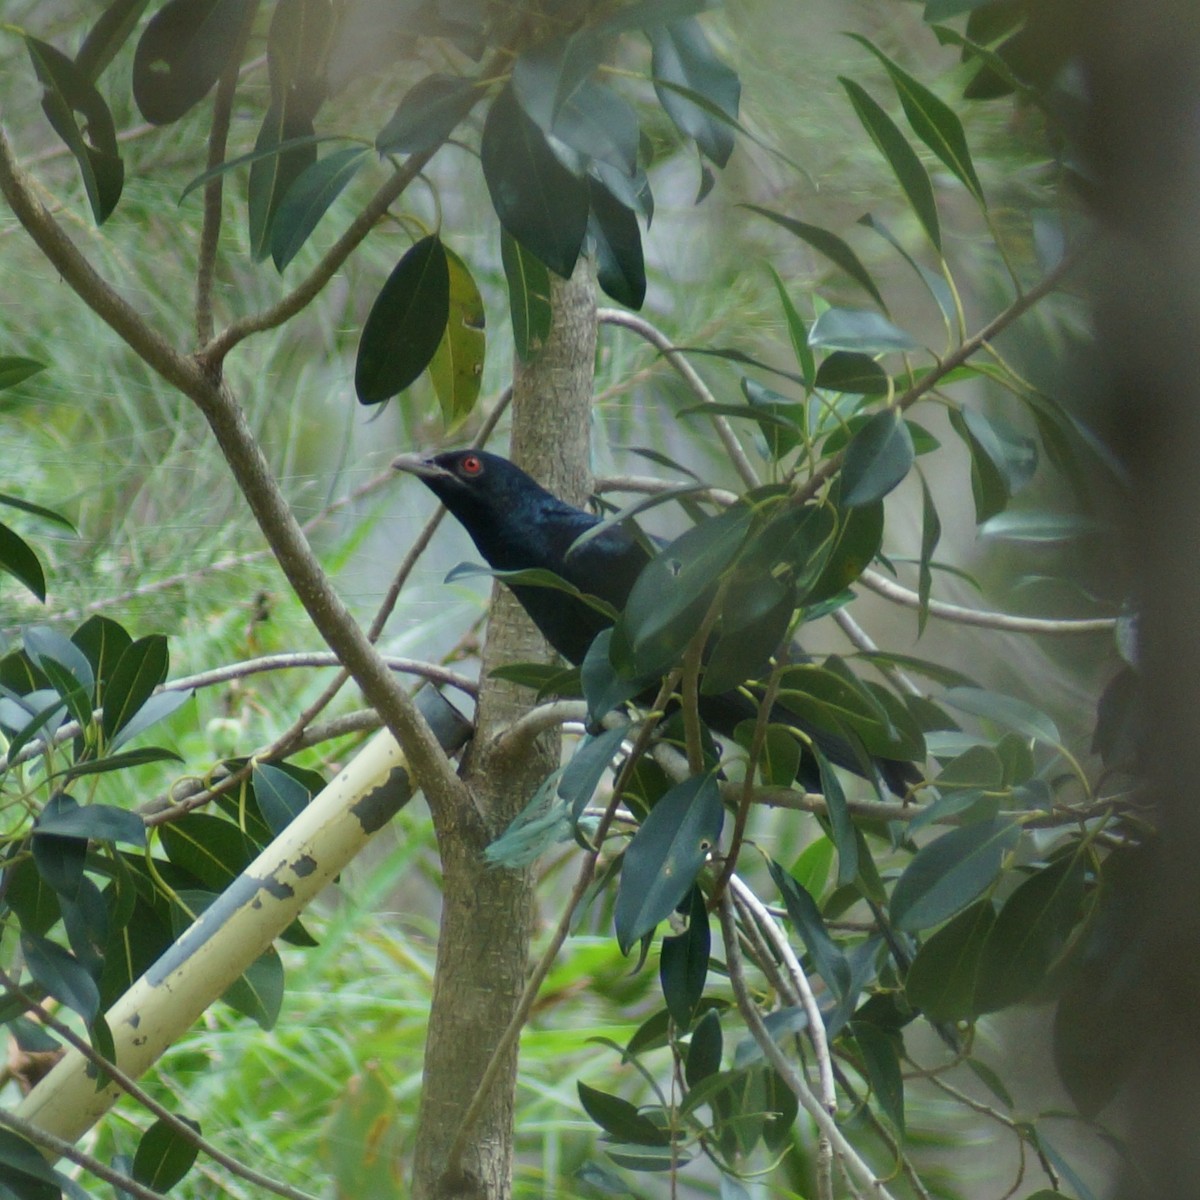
[[931, 534], [14, 369], [428, 114], [308, 199]]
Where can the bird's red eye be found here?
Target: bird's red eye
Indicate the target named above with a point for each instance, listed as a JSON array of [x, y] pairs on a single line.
[[471, 464]]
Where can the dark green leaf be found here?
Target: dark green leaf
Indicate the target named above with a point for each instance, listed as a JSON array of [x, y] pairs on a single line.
[[946, 875], [25, 1172], [882, 1066], [941, 981], [681, 55], [878, 458], [666, 855], [860, 330], [603, 687], [616, 244], [674, 590], [785, 430], [213, 850], [933, 121], [704, 1050], [92, 137], [18, 560], [156, 709], [258, 992], [59, 860], [893, 145], [931, 534], [85, 919], [797, 333], [308, 199], [1030, 933], [103, 641], [841, 825], [60, 975], [845, 371], [828, 244], [181, 53], [599, 124], [405, 324], [806, 918], [457, 367], [858, 538], [528, 296], [276, 169], [683, 964], [31, 897], [583, 773], [539, 202], [164, 1156], [280, 797], [47, 647], [620, 1119], [1008, 711], [254, 156], [428, 114], [937, 286], [14, 370], [101, 821], [120, 762], [107, 36], [532, 577], [142, 667]]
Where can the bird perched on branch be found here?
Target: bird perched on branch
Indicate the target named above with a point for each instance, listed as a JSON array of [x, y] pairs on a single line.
[[517, 525]]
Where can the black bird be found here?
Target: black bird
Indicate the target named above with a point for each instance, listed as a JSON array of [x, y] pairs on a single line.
[[517, 525]]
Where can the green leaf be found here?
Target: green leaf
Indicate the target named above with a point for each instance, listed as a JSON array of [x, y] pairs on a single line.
[[18, 560], [1008, 711], [620, 1119], [858, 329], [532, 577], [681, 55], [674, 590], [429, 113], [528, 296], [878, 458], [936, 285], [1041, 527], [457, 367], [583, 773], [36, 509], [110, 32], [60, 975], [164, 1156], [858, 538], [539, 202], [616, 244], [102, 821], [142, 667], [406, 323], [784, 430], [599, 124], [276, 169], [120, 762], [947, 874], [933, 121], [182, 52], [211, 849], [258, 992], [308, 199], [704, 1050], [683, 964], [797, 333], [14, 369], [858, 374], [156, 709], [806, 918], [931, 534], [941, 981], [901, 157], [26, 1173], [666, 855], [828, 244], [841, 824], [882, 1066], [60, 861], [1030, 934], [92, 137], [281, 798], [603, 687]]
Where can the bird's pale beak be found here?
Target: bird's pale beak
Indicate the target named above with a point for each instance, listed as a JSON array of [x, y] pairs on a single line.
[[422, 468]]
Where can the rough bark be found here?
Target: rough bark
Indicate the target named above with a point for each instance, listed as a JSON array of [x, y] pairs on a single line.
[[486, 911]]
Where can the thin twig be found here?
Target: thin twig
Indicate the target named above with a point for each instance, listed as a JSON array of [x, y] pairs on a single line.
[[130, 1086]]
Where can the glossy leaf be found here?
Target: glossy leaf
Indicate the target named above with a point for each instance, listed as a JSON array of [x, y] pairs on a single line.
[[281, 798], [941, 980], [933, 121], [583, 773], [60, 975], [616, 243], [785, 431], [285, 151], [59, 860], [182, 52], [878, 458], [806, 919], [120, 762], [429, 113], [947, 874], [457, 367], [683, 964], [102, 821], [26, 1173], [164, 1156], [308, 199], [935, 284], [1008, 711], [157, 708], [258, 992], [528, 296], [620, 1119], [674, 590], [1030, 933], [599, 124], [18, 560], [108, 35], [681, 54], [858, 538], [14, 370], [103, 641], [860, 330], [142, 667], [931, 534], [901, 157], [211, 849], [859, 374], [82, 119], [665, 856], [828, 244], [539, 202], [406, 323], [704, 1050], [603, 687]]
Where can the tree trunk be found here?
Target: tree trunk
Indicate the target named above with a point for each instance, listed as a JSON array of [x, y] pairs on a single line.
[[487, 911]]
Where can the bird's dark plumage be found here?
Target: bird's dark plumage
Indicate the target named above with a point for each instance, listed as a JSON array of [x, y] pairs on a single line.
[[516, 524]]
